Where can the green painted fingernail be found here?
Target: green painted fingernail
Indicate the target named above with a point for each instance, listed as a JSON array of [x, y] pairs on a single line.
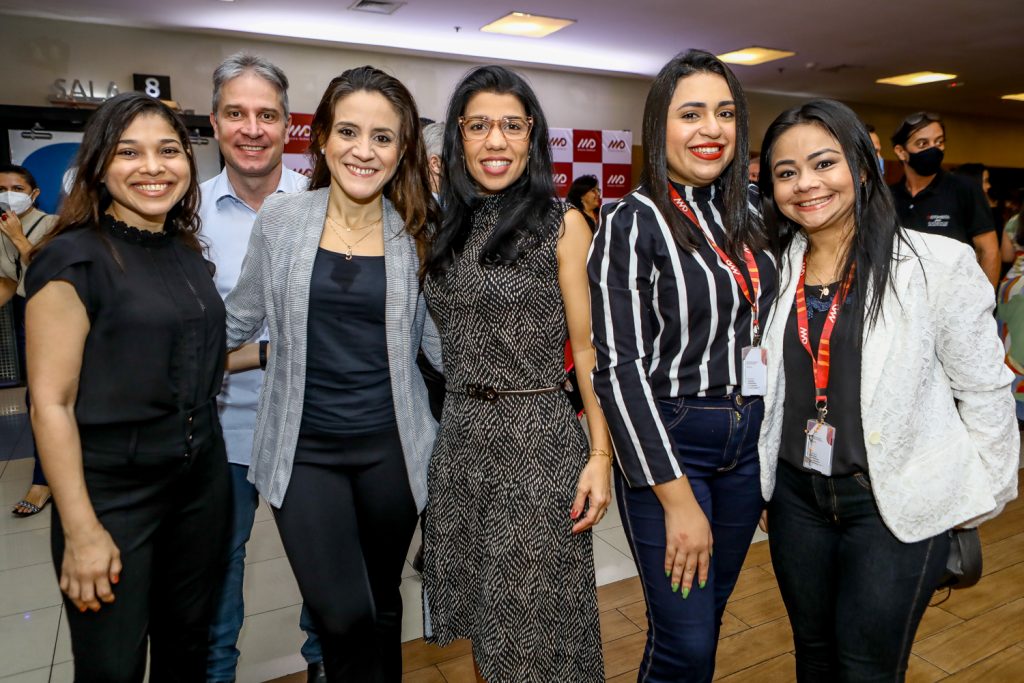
[[668, 573], [686, 593], [703, 583], [675, 586]]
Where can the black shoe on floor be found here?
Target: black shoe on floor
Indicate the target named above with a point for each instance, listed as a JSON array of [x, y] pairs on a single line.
[[315, 673]]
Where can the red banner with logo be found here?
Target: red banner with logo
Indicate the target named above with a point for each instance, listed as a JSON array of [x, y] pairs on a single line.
[[606, 154]]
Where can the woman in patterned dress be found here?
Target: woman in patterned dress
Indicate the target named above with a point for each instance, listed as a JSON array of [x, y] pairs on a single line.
[[513, 484]]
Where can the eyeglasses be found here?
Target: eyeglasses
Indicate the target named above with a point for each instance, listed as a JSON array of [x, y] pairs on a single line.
[[479, 127]]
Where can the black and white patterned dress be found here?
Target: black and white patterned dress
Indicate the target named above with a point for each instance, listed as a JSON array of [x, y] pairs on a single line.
[[501, 566]]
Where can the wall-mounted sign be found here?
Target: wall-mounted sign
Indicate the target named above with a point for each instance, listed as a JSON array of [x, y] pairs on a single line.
[[606, 154], [152, 85], [78, 94]]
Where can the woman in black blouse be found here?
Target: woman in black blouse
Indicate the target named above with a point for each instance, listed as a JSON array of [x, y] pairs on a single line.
[[680, 284], [125, 336]]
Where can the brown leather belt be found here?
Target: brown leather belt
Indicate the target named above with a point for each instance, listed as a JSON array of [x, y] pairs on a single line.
[[490, 394]]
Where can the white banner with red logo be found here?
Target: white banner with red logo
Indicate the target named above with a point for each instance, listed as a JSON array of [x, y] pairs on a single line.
[[607, 154]]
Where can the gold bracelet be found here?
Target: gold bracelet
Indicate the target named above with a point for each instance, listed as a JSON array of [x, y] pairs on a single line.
[[598, 451]]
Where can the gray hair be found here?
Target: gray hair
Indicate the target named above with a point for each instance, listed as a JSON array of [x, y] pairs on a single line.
[[433, 136], [241, 62]]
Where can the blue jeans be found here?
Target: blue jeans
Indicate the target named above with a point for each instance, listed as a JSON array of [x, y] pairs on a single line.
[[716, 442], [227, 622], [854, 592]]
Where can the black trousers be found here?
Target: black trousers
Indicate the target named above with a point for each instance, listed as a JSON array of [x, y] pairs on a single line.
[[168, 514], [854, 592], [346, 523]]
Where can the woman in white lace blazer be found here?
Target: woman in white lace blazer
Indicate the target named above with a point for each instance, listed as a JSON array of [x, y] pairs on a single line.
[[898, 428]]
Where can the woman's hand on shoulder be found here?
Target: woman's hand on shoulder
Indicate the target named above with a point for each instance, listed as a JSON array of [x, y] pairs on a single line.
[[91, 567]]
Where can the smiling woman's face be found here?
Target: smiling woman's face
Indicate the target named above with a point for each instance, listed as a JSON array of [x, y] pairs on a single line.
[[362, 148], [700, 134], [495, 162]]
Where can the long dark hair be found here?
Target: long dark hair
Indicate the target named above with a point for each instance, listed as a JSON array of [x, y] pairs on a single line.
[[528, 201], [409, 188], [741, 228], [877, 231], [89, 197]]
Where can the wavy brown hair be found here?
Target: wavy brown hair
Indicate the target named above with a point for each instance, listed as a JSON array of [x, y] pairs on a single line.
[[409, 188], [89, 197]]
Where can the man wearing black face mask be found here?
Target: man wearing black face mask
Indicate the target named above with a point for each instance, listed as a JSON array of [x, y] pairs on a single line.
[[931, 200]]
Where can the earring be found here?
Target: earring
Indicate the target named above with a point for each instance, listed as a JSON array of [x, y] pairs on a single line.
[[323, 150]]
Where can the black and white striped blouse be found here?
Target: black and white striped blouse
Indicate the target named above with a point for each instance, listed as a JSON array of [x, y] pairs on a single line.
[[666, 323]]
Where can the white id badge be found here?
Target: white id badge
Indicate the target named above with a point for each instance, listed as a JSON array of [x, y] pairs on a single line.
[[821, 437], [755, 371]]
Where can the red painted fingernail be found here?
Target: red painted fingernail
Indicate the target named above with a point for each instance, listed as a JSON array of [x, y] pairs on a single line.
[[117, 577], [82, 608], [573, 514]]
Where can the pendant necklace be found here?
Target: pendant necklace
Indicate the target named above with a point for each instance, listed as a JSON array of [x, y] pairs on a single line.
[[351, 245]]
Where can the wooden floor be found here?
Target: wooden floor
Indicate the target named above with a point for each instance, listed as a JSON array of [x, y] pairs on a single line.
[[975, 635]]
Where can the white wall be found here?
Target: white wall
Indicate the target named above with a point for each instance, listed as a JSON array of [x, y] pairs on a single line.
[[35, 52]]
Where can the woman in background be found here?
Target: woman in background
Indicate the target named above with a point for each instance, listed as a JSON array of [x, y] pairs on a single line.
[[585, 196], [22, 226]]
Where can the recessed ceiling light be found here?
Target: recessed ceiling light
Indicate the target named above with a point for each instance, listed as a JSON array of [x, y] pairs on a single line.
[[527, 25], [1017, 96], [751, 56], [916, 78]]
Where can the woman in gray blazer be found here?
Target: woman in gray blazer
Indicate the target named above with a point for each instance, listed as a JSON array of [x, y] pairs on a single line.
[[344, 431]]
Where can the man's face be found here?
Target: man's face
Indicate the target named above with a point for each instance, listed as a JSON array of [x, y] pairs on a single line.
[[932, 135], [250, 125]]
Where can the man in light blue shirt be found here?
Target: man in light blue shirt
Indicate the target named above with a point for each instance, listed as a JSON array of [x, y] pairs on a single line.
[[250, 120]]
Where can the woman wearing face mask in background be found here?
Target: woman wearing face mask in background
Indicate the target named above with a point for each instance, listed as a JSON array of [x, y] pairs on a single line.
[[680, 281], [22, 226]]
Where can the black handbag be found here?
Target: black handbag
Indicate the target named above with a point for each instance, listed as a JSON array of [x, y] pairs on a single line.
[[963, 566]]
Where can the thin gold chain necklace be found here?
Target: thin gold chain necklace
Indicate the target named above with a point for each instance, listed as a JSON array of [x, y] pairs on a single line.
[[351, 245]]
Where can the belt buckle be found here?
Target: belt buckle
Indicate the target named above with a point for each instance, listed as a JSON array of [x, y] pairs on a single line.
[[481, 392]]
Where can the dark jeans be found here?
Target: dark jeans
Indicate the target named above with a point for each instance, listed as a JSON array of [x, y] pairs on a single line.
[[716, 442], [168, 515], [855, 594], [346, 523]]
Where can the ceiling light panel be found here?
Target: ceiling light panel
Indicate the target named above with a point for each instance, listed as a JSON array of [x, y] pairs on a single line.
[[916, 78], [527, 25], [752, 56], [1016, 96]]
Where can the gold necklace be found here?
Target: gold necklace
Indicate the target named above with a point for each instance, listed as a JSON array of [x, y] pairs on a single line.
[[361, 227], [351, 245]]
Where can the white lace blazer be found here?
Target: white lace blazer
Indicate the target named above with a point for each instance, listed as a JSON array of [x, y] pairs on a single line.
[[939, 423]]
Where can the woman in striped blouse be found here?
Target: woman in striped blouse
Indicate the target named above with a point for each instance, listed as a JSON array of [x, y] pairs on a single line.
[[680, 283]]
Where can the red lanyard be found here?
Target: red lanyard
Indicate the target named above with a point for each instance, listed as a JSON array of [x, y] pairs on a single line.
[[748, 257], [819, 363]]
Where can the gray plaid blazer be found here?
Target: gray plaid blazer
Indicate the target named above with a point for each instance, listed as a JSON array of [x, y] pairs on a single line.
[[274, 288]]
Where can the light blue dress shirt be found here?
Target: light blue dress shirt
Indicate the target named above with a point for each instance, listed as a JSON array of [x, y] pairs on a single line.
[[227, 222]]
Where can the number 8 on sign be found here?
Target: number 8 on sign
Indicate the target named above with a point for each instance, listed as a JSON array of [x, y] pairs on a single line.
[[152, 87]]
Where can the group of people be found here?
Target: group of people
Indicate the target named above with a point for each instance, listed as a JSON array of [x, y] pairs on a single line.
[[789, 343]]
